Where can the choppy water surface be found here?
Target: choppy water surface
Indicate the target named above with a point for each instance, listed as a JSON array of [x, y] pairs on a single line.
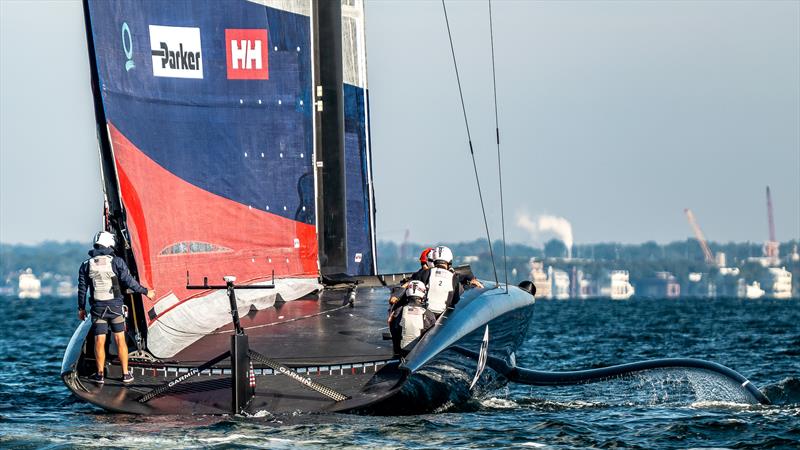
[[665, 409]]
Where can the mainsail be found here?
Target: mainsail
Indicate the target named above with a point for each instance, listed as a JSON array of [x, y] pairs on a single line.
[[210, 114]]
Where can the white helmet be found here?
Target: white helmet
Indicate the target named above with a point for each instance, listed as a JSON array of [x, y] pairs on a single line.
[[416, 289], [104, 239], [442, 253]]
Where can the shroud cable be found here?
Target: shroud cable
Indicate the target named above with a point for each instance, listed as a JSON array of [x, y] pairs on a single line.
[[469, 138]]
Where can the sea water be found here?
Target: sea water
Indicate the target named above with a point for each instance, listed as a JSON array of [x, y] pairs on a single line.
[[656, 409]]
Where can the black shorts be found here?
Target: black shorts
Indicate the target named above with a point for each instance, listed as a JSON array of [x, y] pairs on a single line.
[[105, 316]]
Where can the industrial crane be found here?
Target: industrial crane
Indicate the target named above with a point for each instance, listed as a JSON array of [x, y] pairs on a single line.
[[771, 246], [700, 238]]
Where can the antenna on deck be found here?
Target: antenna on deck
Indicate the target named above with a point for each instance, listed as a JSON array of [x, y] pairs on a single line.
[[469, 138]]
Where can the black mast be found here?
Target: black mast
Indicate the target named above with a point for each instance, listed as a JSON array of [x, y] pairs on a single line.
[[106, 155], [330, 157], [116, 212]]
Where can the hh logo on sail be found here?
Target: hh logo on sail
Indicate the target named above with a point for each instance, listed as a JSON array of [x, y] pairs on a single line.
[[176, 52], [247, 53]]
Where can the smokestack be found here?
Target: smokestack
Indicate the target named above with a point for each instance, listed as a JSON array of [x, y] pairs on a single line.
[[547, 224]]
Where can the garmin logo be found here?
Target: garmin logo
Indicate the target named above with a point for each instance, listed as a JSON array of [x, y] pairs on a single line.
[[176, 52], [247, 54], [127, 47]]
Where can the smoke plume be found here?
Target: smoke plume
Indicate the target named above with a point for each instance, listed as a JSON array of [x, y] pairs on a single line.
[[546, 224]]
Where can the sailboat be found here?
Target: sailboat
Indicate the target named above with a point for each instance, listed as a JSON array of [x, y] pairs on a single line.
[[234, 140], [236, 163]]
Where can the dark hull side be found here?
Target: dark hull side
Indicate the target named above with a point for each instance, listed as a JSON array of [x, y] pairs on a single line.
[[342, 348]]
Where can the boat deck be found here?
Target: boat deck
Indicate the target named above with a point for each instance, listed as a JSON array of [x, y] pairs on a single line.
[[311, 331], [321, 336]]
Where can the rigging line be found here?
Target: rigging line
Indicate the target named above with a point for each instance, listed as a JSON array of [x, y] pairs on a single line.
[[497, 134], [469, 138]]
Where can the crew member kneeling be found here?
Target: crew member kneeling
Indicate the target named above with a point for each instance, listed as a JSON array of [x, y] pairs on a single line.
[[100, 275], [410, 319], [415, 319]]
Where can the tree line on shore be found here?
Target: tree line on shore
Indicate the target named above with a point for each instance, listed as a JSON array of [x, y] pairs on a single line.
[[641, 260]]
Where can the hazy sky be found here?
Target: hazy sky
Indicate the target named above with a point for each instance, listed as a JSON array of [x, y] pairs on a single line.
[[614, 115]]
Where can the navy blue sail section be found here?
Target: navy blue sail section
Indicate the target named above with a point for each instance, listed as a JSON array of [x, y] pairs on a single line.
[[246, 137], [359, 235]]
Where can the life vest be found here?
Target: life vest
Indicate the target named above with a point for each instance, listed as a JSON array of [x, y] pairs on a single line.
[[104, 280], [440, 289], [412, 323]]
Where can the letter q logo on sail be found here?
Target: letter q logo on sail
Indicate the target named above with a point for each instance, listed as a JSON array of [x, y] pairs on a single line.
[[176, 52], [247, 54], [127, 47]]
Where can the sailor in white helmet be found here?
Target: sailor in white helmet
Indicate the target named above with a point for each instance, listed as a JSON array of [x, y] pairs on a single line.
[[409, 321], [443, 284], [397, 301], [103, 276], [398, 291]]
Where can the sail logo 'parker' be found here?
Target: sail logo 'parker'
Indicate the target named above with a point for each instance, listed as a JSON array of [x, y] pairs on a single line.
[[176, 52], [247, 54]]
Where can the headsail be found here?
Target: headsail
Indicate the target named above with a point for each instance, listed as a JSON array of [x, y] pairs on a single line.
[[210, 116]]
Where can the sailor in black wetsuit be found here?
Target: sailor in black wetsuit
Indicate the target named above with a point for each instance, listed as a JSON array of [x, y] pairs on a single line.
[[100, 277]]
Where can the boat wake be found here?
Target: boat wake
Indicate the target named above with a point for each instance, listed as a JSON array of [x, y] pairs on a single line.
[[690, 387], [541, 404]]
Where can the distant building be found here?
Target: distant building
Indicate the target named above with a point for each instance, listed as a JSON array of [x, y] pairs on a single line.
[[560, 284], [581, 285], [65, 289], [720, 259], [540, 278], [751, 291], [778, 283], [29, 285], [617, 286], [700, 285], [585, 286], [765, 261], [794, 256], [662, 285], [727, 282]]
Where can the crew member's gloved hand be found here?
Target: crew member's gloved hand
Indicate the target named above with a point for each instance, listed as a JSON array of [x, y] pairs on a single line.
[[151, 294]]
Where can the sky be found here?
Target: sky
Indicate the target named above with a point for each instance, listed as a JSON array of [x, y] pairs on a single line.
[[613, 115]]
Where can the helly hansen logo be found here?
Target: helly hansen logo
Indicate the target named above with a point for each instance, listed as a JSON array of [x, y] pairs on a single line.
[[247, 54], [176, 52]]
